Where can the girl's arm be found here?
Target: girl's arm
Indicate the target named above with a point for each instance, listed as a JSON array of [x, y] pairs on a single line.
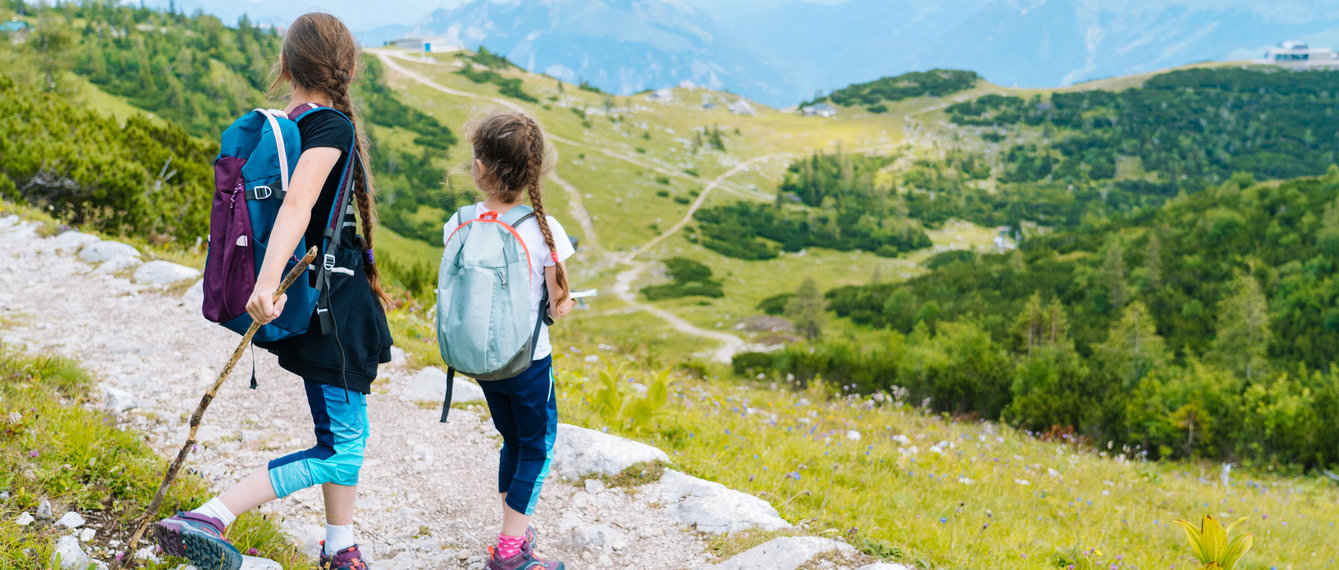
[[556, 311], [291, 223]]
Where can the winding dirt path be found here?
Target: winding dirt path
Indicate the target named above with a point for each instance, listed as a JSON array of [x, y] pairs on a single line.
[[623, 282], [697, 204], [730, 344]]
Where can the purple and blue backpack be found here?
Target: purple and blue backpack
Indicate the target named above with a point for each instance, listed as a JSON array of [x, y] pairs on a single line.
[[259, 152]]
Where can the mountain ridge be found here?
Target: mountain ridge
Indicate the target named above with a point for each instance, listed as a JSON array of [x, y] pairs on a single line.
[[790, 52]]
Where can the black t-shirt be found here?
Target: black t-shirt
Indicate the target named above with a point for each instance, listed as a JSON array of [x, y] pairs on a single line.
[[326, 129]]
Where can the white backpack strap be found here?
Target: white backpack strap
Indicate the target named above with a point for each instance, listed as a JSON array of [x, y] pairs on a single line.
[[279, 141]]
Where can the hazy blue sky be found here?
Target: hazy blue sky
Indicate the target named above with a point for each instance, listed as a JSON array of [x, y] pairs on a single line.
[[361, 14]]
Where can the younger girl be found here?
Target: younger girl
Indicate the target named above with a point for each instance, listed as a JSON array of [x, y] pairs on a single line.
[[509, 163], [317, 61]]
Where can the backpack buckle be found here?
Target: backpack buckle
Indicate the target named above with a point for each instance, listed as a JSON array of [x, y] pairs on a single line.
[[265, 195], [488, 216], [328, 262]]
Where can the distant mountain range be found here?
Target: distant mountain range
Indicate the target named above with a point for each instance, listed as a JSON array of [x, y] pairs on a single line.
[[782, 52]]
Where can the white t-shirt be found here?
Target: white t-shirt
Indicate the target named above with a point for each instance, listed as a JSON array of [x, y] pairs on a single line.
[[540, 257]]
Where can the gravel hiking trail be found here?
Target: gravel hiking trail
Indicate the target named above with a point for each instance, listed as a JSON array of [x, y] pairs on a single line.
[[427, 496]]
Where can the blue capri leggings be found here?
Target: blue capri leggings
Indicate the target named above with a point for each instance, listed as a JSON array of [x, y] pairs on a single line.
[[525, 412], [341, 435]]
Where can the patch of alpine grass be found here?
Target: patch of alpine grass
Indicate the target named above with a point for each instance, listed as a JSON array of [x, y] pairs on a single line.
[[56, 448]]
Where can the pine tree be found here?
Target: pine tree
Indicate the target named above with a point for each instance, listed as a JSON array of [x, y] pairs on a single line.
[[807, 309], [1040, 327], [51, 41], [1243, 335], [1113, 270], [1133, 347], [1153, 263]]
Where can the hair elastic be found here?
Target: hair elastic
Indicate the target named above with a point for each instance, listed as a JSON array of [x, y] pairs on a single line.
[[371, 260], [555, 257]]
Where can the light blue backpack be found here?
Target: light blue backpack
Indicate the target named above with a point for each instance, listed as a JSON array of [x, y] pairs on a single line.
[[483, 298]]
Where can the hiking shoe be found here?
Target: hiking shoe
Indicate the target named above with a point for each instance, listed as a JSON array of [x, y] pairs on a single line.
[[208, 551], [168, 531], [348, 559], [524, 560]]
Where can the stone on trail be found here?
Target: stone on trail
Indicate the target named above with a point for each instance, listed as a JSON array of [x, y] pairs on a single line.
[[72, 240], [147, 554], [195, 296], [10, 220], [164, 273], [785, 553], [579, 451], [119, 400], [100, 251], [44, 509], [118, 263], [70, 520], [87, 534], [254, 563], [596, 537], [712, 507], [884, 566], [24, 519], [69, 556], [429, 385]]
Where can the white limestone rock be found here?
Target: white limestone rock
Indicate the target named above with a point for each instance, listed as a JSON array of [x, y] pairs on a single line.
[[712, 507], [429, 385], [100, 251], [72, 240], [147, 554], [119, 400], [785, 553], [195, 296], [254, 563], [579, 451], [71, 520], [118, 263], [596, 537], [164, 273], [68, 555]]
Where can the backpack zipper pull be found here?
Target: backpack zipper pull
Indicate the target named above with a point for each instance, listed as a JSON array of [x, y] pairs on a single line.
[[502, 276]]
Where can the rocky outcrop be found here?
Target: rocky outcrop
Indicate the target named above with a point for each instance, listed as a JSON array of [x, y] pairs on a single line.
[[579, 452]]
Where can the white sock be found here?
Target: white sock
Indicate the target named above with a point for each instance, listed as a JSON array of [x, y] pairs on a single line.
[[337, 538], [215, 508]]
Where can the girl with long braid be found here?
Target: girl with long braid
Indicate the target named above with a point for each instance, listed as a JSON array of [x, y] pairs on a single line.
[[509, 164], [317, 61]]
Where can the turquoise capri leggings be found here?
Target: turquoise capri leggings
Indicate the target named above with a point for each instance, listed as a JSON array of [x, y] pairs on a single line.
[[341, 435]]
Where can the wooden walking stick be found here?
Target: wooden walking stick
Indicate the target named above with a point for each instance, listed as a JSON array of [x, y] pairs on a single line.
[[171, 474]]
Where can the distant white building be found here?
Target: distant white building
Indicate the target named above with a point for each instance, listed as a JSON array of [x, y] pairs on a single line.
[[1301, 55], [426, 44], [819, 110], [661, 96], [742, 107], [1002, 241]]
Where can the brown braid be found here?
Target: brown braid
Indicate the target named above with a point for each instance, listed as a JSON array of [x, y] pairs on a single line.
[[319, 54], [512, 148]]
